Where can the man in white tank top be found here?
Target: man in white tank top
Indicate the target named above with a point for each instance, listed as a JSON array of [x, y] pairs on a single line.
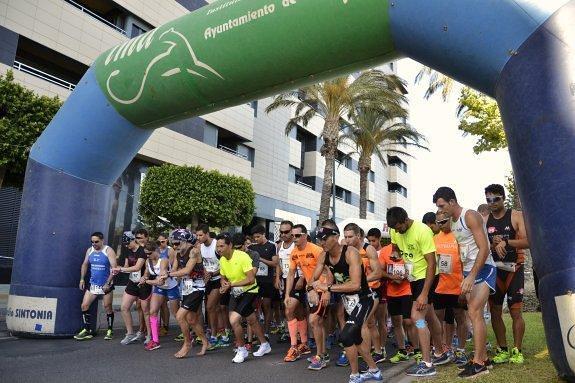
[[478, 270]]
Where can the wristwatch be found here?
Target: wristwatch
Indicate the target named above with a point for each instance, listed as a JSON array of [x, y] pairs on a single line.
[[506, 241], [329, 288]]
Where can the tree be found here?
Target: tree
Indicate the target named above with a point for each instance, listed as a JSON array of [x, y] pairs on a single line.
[[23, 117], [181, 193], [437, 81], [373, 132], [512, 201], [332, 101]]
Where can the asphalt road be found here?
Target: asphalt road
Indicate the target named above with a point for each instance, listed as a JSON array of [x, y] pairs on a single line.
[[99, 361]]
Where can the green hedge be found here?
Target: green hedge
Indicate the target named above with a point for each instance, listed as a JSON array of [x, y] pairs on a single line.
[[180, 193]]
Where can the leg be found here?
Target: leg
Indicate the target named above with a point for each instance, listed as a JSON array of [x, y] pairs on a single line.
[[145, 304], [87, 301], [156, 302], [165, 315], [236, 323], [498, 324], [212, 304], [423, 333], [267, 310], [518, 326], [476, 302], [127, 302], [316, 322], [142, 319], [182, 318], [435, 328], [461, 320], [371, 325], [108, 299], [256, 327], [381, 316]]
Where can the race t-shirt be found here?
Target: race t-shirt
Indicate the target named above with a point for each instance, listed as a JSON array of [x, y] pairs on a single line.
[[448, 264], [235, 269], [367, 267], [266, 251], [132, 258], [394, 267], [413, 245], [305, 259]]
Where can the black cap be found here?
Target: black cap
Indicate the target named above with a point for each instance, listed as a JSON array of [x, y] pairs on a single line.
[[325, 232]]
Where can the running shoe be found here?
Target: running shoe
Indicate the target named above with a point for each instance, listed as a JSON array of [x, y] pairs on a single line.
[[317, 363], [379, 357], [179, 338], [501, 356], [421, 370], [139, 337], [163, 331], [241, 355], [363, 367], [303, 349], [84, 335], [109, 335], [355, 378], [342, 361], [213, 343], [371, 376], [292, 354], [224, 341], [127, 339], [264, 348], [516, 356], [151, 345], [461, 358], [400, 356], [472, 370], [330, 341], [326, 358], [441, 359]]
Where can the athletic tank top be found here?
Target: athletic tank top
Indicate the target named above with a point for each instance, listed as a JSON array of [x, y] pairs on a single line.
[[504, 228], [468, 249], [284, 255], [367, 266], [165, 254], [99, 266], [210, 260], [340, 273], [154, 269]]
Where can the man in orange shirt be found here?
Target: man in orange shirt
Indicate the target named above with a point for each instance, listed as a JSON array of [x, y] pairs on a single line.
[[399, 302], [305, 255], [448, 290]]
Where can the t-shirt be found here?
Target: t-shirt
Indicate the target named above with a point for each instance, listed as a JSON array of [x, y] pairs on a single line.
[[266, 251], [255, 256], [133, 257], [235, 269], [448, 264], [394, 267], [367, 267], [413, 245], [306, 259]]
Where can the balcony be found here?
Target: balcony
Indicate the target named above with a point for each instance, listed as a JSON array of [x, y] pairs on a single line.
[[45, 76], [95, 16], [232, 151]]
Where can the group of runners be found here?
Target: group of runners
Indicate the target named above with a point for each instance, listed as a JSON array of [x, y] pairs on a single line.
[[432, 281]]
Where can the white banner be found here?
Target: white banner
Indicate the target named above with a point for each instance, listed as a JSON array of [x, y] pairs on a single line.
[[566, 314], [31, 315]]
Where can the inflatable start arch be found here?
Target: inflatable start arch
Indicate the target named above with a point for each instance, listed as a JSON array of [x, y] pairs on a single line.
[[520, 52]]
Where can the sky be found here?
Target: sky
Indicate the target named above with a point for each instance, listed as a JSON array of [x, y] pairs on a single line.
[[450, 160]]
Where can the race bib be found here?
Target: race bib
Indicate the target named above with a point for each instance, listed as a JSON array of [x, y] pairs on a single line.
[[136, 276], [262, 270], [409, 272], [96, 290], [211, 265], [350, 302], [237, 291], [397, 269], [506, 266], [445, 264], [285, 268]]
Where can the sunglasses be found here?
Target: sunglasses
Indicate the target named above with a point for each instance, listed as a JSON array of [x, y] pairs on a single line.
[[139, 237], [443, 221], [164, 241], [95, 242], [175, 243], [298, 235], [494, 199], [285, 231]]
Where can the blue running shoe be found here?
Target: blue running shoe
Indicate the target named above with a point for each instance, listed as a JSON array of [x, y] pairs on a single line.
[[342, 361], [421, 370]]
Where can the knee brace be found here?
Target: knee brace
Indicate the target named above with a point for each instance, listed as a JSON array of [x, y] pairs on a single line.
[[350, 334], [420, 323]]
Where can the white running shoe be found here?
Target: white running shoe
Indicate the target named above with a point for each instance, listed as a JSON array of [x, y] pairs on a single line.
[[264, 348], [241, 355], [127, 339], [138, 338]]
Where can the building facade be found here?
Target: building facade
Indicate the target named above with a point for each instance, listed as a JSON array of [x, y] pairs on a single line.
[[49, 44]]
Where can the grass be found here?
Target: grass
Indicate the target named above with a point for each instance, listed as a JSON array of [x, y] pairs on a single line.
[[537, 366]]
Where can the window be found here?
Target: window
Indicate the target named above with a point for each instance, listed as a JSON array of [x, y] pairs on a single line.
[[344, 159], [137, 31], [394, 187], [292, 174], [396, 161], [370, 206], [342, 194], [254, 105], [371, 176]]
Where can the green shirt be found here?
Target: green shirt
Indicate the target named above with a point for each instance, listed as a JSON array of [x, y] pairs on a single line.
[[413, 245], [235, 269]]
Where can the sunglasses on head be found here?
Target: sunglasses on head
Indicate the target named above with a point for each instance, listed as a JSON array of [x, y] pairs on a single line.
[[285, 231], [443, 221], [494, 199]]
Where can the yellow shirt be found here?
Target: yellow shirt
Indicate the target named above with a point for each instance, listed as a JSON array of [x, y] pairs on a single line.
[[235, 269], [413, 245]]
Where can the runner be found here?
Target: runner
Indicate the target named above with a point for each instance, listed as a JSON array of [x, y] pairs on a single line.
[[238, 277], [448, 291], [101, 259], [508, 239], [429, 219], [167, 252], [478, 271], [136, 289], [345, 265], [399, 302], [283, 251], [413, 241], [303, 257], [265, 274], [142, 237], [163, 288], [190, 268], [354, 236]]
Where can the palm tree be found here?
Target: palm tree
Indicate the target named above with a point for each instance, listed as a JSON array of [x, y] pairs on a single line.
[[437, 81], [373, 132], [334, 100]]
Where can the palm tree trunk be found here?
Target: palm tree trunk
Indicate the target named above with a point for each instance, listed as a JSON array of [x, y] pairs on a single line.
[[363, 192], [330, 136]]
